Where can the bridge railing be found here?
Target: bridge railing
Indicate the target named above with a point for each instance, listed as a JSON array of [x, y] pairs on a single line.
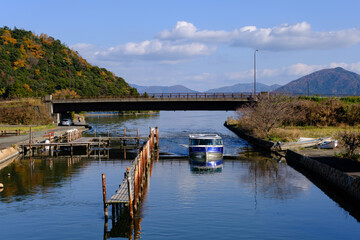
[[235, 95], [199, 95]]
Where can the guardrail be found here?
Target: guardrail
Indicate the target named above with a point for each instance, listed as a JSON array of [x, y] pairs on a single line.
[[15, 132]]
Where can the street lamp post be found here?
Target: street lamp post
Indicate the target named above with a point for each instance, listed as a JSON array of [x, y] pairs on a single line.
[[255, 72]]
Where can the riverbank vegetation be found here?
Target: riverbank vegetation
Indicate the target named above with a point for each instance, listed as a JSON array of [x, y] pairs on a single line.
[[24, 112], [275, 117], [283, 118]]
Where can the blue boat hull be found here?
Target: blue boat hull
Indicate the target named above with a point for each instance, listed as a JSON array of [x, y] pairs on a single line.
[[206, 154]]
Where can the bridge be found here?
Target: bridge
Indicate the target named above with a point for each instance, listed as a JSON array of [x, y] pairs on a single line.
[[156, 102]]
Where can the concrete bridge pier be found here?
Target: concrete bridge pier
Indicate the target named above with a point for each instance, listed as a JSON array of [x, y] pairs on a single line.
[[49, 107]]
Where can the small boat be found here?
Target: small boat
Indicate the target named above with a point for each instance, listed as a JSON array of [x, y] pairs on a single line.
[[329, 144], [307, 143], [206, 150]]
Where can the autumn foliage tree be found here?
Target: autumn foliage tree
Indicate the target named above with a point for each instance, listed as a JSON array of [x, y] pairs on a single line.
[[65, 93], [45, 65]]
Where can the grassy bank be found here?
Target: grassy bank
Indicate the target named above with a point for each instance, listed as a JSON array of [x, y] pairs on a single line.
[[27, 128]]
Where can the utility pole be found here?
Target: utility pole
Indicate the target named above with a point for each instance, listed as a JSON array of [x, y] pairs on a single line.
[[255, 72]]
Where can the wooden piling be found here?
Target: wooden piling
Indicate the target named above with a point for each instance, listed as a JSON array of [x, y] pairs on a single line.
[[157, 137], [136, 178], [136, 190], [104, 197], [131, 211]]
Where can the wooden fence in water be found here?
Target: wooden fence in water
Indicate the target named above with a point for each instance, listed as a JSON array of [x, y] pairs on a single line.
[[131, 190]]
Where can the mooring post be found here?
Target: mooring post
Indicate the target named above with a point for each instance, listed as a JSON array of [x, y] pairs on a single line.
[[124, 132], [147, 151], [30, 139], [131, 211], [104, 197], [157, 137], [137, 136], [136, 192]]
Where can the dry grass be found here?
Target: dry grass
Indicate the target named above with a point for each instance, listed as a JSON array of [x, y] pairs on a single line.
[[286, 134]]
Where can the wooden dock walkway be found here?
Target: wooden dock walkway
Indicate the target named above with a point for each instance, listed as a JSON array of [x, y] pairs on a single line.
[[74, 139], [131, 190]]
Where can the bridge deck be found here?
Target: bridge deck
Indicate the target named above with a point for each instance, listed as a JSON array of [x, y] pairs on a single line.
[[166, 102]]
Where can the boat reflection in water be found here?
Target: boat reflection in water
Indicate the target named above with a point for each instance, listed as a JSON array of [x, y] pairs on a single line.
[[205, 167], [206, 151]]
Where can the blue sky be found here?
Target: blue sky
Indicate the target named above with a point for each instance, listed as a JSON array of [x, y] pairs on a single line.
[[199, 44]]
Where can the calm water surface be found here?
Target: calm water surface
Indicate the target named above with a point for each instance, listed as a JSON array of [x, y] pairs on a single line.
[[252, 197]]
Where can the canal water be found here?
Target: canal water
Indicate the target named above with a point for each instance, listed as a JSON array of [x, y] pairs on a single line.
[[254, 196]]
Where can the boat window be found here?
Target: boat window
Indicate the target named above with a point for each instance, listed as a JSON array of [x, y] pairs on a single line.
[[205, 142]]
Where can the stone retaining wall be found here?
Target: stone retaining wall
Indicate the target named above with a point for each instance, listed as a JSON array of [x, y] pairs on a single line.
[[348, 184]]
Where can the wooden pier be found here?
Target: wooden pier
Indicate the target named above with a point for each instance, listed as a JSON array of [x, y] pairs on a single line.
[[131, 190], [73, 139]]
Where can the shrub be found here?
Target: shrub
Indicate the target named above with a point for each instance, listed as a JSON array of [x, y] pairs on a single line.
[[351, 141]]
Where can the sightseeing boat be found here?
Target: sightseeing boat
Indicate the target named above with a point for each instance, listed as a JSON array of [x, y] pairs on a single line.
[[206, 150]]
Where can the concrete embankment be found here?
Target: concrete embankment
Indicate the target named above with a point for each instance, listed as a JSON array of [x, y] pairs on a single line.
[[342, 174], [7, 154]]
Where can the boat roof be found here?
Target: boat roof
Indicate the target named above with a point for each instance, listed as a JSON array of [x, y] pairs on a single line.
[[204, 136]]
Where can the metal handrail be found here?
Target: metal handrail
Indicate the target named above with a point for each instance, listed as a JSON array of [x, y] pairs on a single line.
[[235, 95]]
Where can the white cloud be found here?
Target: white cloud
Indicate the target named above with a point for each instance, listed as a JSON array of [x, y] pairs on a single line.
[[155, 50], [279, 38], [187, 31], [301, 69], [186, 42], [285, 74]]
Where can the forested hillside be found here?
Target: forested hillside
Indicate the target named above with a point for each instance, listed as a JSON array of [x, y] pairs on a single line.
[[33, 66]]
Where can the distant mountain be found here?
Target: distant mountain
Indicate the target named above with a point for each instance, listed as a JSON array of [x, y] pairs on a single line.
[[333, 81], [246, 87], [163, 89]]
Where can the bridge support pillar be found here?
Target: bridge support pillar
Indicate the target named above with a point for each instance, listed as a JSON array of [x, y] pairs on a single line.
[[49, 108]]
